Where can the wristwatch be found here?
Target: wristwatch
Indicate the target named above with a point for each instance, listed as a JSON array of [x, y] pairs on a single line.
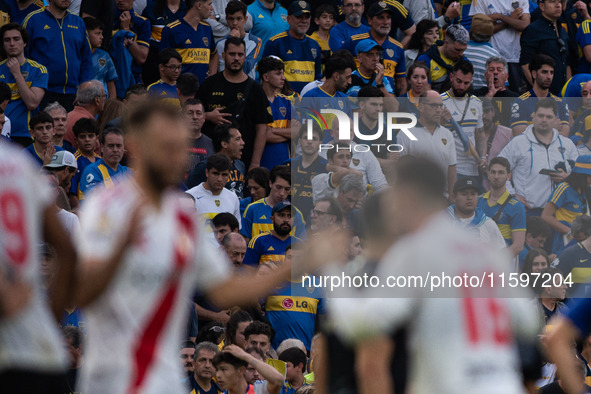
[[446, 19]]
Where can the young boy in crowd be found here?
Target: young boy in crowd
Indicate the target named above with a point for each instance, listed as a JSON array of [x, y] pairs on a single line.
[[102, 65], [86, 131], [324, 17]]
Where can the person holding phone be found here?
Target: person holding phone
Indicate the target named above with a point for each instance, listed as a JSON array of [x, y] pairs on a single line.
[[539, 147], [569, 200]]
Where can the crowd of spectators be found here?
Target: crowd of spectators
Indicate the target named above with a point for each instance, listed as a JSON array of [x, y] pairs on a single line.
[[501, 92]]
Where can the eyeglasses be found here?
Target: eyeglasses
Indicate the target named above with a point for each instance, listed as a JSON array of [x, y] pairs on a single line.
[[177, 68], [434, 105], [562, 45], [217, 329]]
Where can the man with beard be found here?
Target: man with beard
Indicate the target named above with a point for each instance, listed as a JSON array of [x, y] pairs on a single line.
[[271, 246], [352, 9], [143, 251], [504, 209], [326, 213], [108, 169], [542, 73], [186, 355], [201, 380], [441, 59], [58, 40], [300, 53], [466, 110], [465, 211], [232, 95], [379, 16], [211, 197], [337, 72]]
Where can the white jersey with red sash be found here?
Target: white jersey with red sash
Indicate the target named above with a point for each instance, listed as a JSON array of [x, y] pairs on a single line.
[[135, 326]]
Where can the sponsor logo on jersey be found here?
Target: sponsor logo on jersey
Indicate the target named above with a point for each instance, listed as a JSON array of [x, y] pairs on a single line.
[[102, 62], [287, 303], [46, 27], [263, 217], [188, 42], [217, 203], [390, 52]]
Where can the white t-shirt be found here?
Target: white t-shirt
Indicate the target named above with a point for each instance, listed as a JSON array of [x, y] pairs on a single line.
[[488, 232], [29, 340], [505, 41], [458, 343], [70, 222], [208, 206], [135, 326], [472, 120], [439, 146]]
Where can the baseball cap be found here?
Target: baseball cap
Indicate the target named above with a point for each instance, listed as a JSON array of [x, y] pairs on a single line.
[[583, 165], [63, 158], [466, 184], [378, 8], [298, 8], [280, 205], [366, 45], [482, 24]]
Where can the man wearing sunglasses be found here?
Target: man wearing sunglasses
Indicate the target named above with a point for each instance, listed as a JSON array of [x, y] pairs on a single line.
[[546, 36]]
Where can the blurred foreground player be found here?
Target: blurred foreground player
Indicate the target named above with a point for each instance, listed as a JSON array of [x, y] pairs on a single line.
[[142, 255], [32, 354], [461, 339]]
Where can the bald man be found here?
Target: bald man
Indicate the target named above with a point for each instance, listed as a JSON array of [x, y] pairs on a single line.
[[432, 139], [235, 247]]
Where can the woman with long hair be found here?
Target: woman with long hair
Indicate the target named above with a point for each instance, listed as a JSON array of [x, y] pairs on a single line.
[[568, 200], [535, 261], [426, 34], [417, 78]]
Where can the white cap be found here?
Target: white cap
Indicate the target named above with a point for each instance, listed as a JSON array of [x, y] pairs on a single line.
[[62, 158]]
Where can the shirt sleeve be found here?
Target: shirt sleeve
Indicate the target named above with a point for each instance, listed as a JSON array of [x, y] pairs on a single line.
[[40, 79], [166, 38], [271, 49], [143, 33], [246, 229], [518, 220], [86, 73], [559, 195], [529, 45], [252, 257], [336, 39], [400, 17], [300, 226]]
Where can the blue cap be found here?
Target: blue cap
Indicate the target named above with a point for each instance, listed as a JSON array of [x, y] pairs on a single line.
[[583, 165], [366, 45], [298, 8], [280, 205]]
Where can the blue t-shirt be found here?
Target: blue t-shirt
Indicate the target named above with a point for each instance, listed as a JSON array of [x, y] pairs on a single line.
[[103, 68], [267, 248], [160, 90], [82, 162], [584, 39], [340, 33], [35, 75], [302, 58], [93, 176], [277, 153], [512, 218], [524, 106], [257, 220], [17, 15], [140, 26], [31, 149], [318, 99], [195, 46]]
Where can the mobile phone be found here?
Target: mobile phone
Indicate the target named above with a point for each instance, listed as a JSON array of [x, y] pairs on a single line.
[[547, 171]]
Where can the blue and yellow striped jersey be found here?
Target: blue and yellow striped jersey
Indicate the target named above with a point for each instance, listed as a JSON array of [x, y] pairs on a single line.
[[35, 76], [267, 248], [584, 39], [257, 220], [524, 106], [82, 162], [277, 153], [512, 218], [292, 311], [160, 90], [302, 58], [569, 204], [393, 55], [195, 46]]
